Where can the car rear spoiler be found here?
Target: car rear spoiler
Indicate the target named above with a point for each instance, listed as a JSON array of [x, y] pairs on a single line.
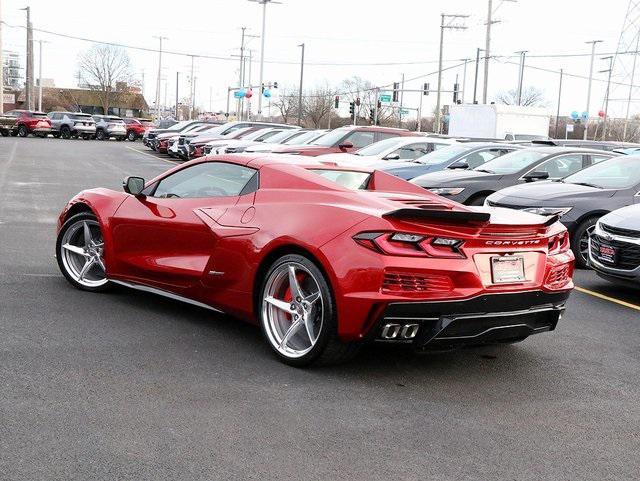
[[446, 215]]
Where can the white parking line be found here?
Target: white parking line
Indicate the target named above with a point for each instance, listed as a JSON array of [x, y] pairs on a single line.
[[150, 155]]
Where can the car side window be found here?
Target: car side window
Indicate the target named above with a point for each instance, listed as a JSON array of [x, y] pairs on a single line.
[[476, 159], [411, 151], [208, 179], [360, 139], [561, 166], [384, 135], [599, 158]]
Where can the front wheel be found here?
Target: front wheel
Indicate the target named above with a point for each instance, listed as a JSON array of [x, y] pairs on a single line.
[[298, 314], [580, 242], [65, 132], [23, 131], [131, 136], [478, 200], [80, 251]]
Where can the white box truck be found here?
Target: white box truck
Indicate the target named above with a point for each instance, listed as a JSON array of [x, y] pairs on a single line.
[[494, 121]]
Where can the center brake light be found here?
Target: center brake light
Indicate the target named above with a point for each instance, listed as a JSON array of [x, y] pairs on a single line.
[[410, 245]]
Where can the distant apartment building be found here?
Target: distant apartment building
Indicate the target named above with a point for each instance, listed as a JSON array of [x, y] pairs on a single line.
[[13, 73]]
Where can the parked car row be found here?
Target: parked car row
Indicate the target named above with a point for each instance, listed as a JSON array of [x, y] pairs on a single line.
[[69, 125]]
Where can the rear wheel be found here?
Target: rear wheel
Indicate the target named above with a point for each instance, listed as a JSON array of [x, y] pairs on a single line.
[[131, 136], [100, 134], [79, 252], [580, 241], [477, 200], [298, 314], [5, 133], [23, 131], [65, 132]]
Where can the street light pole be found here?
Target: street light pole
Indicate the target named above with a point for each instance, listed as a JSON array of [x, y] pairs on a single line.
[[192, 92], [464, 79], [443, 26], [475, 81], [40, 75], [520, 76], [29, 79], [177, 92], [1, 66], [240, 75], [160, 38], [593, 53], [487, 49], [558, 108], [300, 88], [262, 38]]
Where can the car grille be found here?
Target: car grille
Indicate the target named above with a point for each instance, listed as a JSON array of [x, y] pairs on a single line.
[[401, 282], [620, 231], [628, 255]]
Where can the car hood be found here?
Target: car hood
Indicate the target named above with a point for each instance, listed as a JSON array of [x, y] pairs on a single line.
[[624, 218], [454, 176], [548, 192], [203, 139]]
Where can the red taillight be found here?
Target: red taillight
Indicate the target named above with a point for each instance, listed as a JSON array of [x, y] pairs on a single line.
[[559, 277], [559, 243], [409, 245], [415, 283]]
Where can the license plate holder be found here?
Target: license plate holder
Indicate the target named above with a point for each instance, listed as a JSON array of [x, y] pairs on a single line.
[[607, 254], [507, 269]]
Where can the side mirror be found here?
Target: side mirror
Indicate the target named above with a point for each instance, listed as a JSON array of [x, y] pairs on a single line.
[[392, 157], [460, 164], [345, 145], [133, 185], [536, 175]]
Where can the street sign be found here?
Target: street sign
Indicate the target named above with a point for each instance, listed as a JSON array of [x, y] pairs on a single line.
[[404, 111], [569, 127], [385, 98], [239, 94]]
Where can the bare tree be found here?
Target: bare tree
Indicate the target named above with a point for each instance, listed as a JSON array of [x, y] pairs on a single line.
[[106, 69], [531, 97], [318, 106], [287, 104]]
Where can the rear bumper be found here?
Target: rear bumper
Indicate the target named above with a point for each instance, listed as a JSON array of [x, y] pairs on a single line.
[[487, 318]]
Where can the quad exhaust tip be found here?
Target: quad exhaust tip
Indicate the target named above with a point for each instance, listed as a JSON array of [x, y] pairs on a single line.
[[399, 331]]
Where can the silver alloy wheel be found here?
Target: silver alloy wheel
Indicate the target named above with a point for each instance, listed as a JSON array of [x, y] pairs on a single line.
[[292, 309], [82, 251], [584, 242]]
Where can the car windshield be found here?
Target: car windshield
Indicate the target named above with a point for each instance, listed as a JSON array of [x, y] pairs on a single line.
[[615, 173], [145, 122], [330, 138], [116, 120], [345, 178], [80, 116], [529, 137], [277, 137], [512, 162], [303, 138], [39, 115], [179, 125], [382, 146], [444, 154], [268, 135]]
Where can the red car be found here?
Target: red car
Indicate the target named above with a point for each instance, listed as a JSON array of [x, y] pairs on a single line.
[[344, 139], [323, 258], [136, 127], [31, 122]]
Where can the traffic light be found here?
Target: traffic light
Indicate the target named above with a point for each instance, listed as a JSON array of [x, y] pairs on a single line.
[[396, 86], [456, 86], [352, 109], [358, 101], [425, 89], [275, 85], [372, 115], [336, 103]]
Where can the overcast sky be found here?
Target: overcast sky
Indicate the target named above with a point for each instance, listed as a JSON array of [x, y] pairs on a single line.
[[357, 32]]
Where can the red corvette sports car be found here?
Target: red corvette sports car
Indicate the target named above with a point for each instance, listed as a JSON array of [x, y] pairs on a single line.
[[323, 258]]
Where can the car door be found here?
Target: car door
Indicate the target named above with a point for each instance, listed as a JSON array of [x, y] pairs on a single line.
[[167, 236], [478, 157], [410, 151], [359, 139], [563, 165]]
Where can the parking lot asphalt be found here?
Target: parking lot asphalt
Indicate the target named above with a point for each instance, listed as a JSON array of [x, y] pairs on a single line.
[[127, 385]]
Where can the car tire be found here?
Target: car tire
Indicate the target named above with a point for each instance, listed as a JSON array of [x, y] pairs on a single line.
[[580, 242], [23, 131], [477, 200], [315, 339], [5, 133], [131, 136], [119, 139], [100, 135], [65, 132], [80, 259]]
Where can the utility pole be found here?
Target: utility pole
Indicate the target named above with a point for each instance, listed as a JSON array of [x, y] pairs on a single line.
[[262, 37], [593, 54], [300, 88], [40, 75], [464, 79], [475, 81], [487, 50], [248, 117], [160, 38], [29, 76], [606, 95], [1, 66], [240, 75], [191, 91], [520, 76], [193, 99], [177, 92], [401, 101], [443, 26], [558, 109]]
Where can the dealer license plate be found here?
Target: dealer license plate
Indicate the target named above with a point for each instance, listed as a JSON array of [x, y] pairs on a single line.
[[506, 269], [607, 254]]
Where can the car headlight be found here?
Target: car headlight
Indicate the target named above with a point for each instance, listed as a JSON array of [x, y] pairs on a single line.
[[559, 211], [447, 190]]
